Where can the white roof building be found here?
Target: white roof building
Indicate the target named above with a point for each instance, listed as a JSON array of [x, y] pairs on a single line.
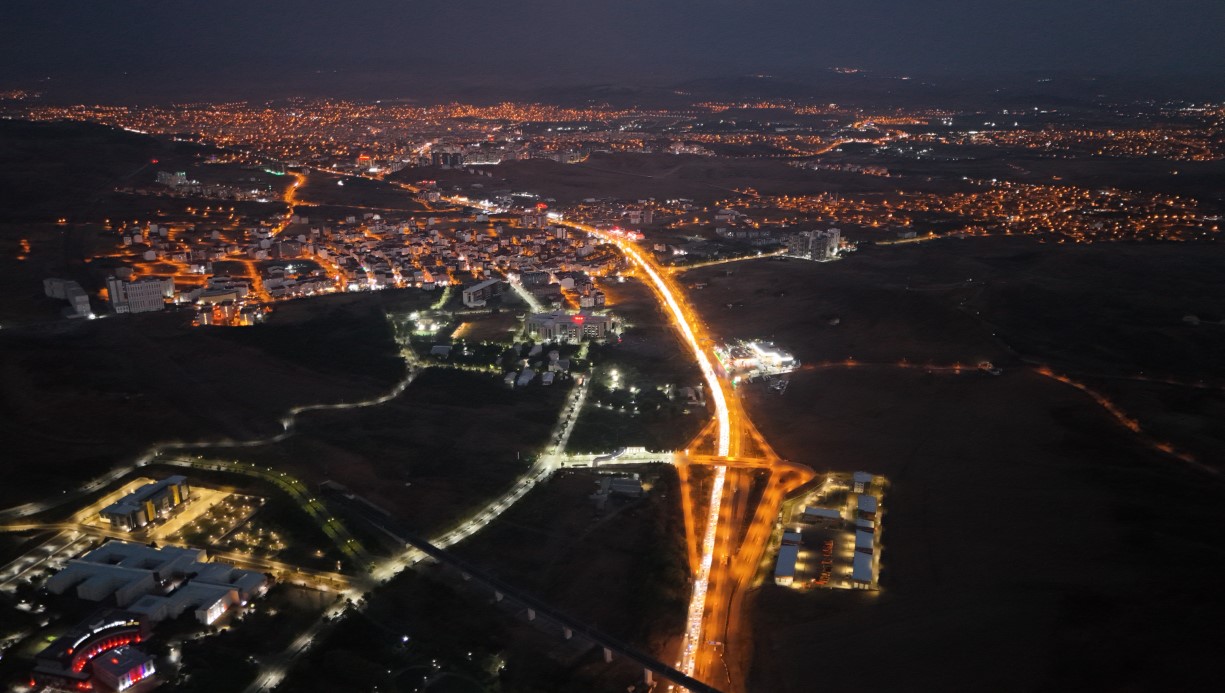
[[784, 569], [160, 583]]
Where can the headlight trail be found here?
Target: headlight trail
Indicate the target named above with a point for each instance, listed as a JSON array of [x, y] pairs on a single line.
[[687, 327]]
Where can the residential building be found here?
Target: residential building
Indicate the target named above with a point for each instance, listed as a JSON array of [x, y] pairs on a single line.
[[814, 245], [144, 295], [478, 295]]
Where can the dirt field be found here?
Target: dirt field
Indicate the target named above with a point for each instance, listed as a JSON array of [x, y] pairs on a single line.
[[1030, 541], [1027, 544], [453, 440], [621, 570], [1116, 308], [357, 194]]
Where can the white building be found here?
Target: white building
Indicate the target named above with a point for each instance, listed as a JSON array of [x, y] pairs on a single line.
[[814, 245], [784, 569], [476, 296], [68, 290], [141, 296], [159, 583], [561, 326]]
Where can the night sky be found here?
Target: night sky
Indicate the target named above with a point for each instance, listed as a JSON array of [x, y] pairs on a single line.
[[175, 46]]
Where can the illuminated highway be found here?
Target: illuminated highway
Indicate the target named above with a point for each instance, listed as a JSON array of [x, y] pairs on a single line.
[[713, 615], [710, 617]]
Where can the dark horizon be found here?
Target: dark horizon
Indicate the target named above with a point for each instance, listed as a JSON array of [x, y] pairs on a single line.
[[137, 51]]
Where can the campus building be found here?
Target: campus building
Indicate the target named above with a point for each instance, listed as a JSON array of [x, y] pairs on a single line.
[[98, 650], [148, 503], [560, 326], [158, 583]]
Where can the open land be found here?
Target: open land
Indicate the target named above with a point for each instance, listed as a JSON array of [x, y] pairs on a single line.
[[421, 628], [71, 394], [1035, 541], [620, 570], [1091, 308], [1029, 532], [452, 440]]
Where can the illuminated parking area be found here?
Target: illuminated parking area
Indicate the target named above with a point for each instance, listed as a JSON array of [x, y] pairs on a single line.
[[831, 537]]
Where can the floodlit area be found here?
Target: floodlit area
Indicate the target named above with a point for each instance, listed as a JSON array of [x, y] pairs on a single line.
[[831, 537], [752, 359]]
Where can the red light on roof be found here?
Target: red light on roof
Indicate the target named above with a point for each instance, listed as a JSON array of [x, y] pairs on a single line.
[[154, 161], [578, 319], [541, 206]]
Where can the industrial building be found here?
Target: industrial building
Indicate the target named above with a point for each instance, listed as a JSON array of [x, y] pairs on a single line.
[[630, 486], [862, 482], [158, 584], [825, 517], [865, 541], [561, 326], [98, 650], [863, 571], [867, 506], [784, 569], [148, 503]]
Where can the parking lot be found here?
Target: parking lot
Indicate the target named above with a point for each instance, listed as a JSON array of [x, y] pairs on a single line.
[[836, 532]]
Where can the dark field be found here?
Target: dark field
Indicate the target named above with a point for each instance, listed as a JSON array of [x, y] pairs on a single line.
[[621, 570], [1112, 308], [458, 641], [641, 176], [1031, 542], [79, 400], [53, 170], [452, 441]]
